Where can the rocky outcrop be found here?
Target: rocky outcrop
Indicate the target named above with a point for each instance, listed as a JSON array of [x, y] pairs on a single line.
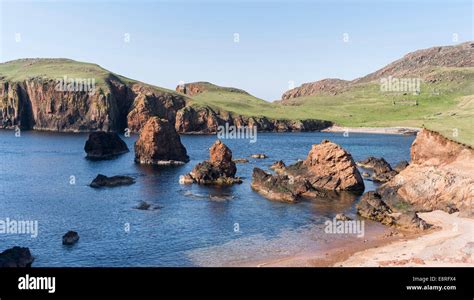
[[16, 257], [259, 156], [160, 144], [440, 176], [205, 120], [382, 171], [371, 206], [104, 145], [328, 167], [70, 238], [276, 187], [328, 86], [219, 169], [104, 181]]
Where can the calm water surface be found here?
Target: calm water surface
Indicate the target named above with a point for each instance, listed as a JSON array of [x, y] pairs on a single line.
[[35, 184]]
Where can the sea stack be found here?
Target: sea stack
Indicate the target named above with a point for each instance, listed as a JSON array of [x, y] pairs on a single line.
[[159, 144], [219, 169], [104, 145]]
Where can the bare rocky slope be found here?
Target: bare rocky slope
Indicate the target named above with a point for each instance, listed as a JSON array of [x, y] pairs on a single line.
[[419, 63]]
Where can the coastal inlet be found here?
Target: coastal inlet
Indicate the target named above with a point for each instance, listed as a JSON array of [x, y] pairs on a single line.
[[36, 178]]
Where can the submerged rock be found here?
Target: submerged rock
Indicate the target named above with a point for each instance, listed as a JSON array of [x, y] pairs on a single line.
[[160, 144], [104, 145], [102, 180], [219, 169], [259, 156], [70, 238], [16, 257], [143, 205]]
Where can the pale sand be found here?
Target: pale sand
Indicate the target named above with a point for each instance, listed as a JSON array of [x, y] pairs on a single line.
[[451, 243], [375, 130], [451, 246]]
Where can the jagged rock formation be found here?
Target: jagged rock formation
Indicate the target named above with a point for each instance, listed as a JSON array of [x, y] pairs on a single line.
[[440, 176], [371, 206], [104, 145], [382, 171], [219, 169], [328, 167], [160, 144]]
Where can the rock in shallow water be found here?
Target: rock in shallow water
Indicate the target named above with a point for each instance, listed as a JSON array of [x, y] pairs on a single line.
[[102, 180], [371, 206], [160, 144], [328, 167], [104, 145], [219, 169], [70, 238], [16, 257]]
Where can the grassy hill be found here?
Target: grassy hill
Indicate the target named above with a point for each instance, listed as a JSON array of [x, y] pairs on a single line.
[[56, 68], [445, 102]]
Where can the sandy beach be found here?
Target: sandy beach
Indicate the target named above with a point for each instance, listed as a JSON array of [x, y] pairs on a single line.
[[449, 243], [373, 130]]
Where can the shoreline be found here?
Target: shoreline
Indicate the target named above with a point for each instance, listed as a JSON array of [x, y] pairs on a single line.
[[374, 130], [448, 244]]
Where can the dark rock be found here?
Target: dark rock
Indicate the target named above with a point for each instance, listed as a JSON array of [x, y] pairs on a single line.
[[328, 167], [16, 257], [104, 145], [160, 144], [371, 206], [382, 170], [70, 238], [102, 180], [275, 187], [401, 166], [219, 169], [143, 205]]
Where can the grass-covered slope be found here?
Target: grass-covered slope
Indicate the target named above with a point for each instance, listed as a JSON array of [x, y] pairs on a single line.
[[56, 68]]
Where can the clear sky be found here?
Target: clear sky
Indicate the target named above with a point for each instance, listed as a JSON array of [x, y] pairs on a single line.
[[279, 41]]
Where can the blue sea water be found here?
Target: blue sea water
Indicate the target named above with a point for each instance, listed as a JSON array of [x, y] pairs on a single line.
[[35, 184]]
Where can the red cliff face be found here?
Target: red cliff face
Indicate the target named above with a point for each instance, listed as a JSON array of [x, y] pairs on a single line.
[[36, 104], [440, 176]]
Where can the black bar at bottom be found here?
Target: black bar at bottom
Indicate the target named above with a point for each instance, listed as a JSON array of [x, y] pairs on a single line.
[[139, 283]]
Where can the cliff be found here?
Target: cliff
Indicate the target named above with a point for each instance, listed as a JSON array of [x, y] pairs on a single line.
[[31, 100], [440, 176]]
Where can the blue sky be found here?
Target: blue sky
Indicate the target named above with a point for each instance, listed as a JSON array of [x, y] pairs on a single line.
[[279, 41]]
